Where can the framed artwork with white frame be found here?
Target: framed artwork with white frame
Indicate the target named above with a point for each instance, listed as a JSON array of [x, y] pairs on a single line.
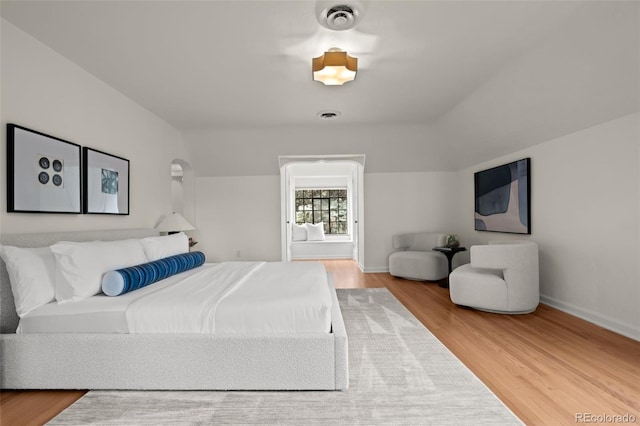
[[43, 173], [106, 183]]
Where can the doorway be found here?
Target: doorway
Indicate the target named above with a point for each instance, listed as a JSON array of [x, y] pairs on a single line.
[[326, 177]]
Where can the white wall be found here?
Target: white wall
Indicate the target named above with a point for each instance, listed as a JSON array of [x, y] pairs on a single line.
[[254, 151], [243, 213], [405, 202], [44, 91], [238, 217], [585, 217], [177, 195]]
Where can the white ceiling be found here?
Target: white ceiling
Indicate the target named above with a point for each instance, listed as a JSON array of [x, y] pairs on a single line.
[[491, 76]]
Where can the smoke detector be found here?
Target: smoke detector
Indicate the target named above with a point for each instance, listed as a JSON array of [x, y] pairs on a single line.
[[340, 16]]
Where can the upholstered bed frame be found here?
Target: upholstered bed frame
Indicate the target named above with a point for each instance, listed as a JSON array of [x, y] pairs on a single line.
[[303, 361]]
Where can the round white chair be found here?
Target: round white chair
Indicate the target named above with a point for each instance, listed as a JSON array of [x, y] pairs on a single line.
[[503, 277], [416, 259]]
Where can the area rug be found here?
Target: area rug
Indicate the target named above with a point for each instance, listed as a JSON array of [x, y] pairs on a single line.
[[399, 374]]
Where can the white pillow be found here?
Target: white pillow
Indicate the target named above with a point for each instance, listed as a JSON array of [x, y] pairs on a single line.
[[299, 233], [315, 232], [164, 246], [32, 275], [80, 266]]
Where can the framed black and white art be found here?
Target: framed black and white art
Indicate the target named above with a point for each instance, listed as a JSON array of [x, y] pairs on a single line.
[[43, 173], [106, 183]]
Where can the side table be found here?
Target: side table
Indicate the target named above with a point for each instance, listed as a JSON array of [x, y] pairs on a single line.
[[449, 252]]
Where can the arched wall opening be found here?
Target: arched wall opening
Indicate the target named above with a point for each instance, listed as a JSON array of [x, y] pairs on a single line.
[[183, 189], [311, 173]]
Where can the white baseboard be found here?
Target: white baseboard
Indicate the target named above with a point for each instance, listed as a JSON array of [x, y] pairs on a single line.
[[375, 269], [593, 317], [321, 256]]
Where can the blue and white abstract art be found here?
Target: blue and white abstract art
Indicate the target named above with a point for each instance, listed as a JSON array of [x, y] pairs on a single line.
[[502, 198]]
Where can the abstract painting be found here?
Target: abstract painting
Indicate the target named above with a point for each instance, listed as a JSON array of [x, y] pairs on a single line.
[[503, 199]]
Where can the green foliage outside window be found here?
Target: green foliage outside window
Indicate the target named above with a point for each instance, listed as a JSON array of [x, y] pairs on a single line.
[[328, 206]]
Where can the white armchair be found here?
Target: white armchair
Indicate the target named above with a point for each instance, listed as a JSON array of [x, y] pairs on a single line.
[[502, 277], [416, 260]]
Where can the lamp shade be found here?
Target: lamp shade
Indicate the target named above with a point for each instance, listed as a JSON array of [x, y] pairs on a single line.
[[174, 222], [334, 68]]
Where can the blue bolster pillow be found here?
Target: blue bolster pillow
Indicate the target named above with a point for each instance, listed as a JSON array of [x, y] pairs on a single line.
[[121, 281]]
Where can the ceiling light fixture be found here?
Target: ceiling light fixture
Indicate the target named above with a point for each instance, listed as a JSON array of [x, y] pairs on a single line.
[[340, 17], [334, 68]]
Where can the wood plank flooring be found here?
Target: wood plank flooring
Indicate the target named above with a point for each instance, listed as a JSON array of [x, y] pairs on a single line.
[[27, 408], [548, 367]]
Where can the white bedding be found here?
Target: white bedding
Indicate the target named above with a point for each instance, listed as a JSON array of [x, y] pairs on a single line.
[[231, 297]]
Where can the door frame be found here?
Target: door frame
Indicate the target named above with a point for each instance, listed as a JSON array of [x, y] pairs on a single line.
[[357, 220]]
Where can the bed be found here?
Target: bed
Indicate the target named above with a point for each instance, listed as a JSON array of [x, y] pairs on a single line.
[[242, 357]]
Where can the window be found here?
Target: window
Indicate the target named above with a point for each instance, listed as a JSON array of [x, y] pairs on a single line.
[[328, 206]]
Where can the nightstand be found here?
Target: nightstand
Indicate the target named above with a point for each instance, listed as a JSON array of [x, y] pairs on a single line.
[[449, 252]]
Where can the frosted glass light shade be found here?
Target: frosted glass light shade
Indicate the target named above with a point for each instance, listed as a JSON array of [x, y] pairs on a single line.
[[334, 68]]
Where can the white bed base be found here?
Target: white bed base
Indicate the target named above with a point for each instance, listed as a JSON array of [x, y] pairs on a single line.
[[302, 361]]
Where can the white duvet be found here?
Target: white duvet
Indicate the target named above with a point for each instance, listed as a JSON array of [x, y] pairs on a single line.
[[231, 297]]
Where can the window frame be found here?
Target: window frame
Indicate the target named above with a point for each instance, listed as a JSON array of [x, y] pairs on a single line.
[[333, 220]]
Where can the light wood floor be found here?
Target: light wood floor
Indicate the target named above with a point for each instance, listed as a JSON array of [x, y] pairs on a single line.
[[547, 367]]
